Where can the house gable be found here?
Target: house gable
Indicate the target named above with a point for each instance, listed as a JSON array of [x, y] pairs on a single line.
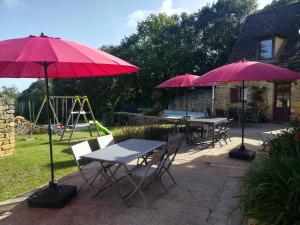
[[281, 25]]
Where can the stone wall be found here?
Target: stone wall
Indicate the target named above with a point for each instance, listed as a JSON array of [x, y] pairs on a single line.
[[222, 96], [197, 101], [295, 100], [7, 135]]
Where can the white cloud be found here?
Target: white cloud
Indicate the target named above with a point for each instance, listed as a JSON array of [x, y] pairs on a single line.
[[14, 4], [166, 7], [137, 16]]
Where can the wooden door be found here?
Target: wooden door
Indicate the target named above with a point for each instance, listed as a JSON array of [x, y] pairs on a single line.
[[282, 104]]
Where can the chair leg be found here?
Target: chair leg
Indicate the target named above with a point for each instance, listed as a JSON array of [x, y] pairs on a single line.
[[228, 137], [171, 176], [88, 182], [144, 197], [158, 180]]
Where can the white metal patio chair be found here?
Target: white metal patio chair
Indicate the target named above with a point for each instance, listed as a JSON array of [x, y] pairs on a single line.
[[89, 172], [105, 141], [147, 174]]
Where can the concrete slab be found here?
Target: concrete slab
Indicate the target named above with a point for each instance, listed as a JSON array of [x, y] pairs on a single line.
[[206, 193]]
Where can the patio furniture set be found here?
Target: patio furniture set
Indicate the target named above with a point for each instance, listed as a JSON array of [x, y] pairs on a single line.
[[202, 128], [141, 162]]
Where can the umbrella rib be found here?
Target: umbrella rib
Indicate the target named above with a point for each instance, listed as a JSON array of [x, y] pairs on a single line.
[[24, 46], [91, 61], [52, 49], [75, 49], [68, 43]]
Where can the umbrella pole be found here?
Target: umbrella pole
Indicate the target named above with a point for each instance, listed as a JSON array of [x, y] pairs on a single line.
[[53, 195], [242, 153], [213, 99], [52, 183], [186, 104], [243, 116]]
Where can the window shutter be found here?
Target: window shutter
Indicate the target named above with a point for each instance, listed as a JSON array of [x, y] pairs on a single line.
[[234, 95]]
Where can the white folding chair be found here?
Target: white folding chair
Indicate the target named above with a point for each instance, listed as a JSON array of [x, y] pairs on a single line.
[[146, 172], [105, 141], [93, 168], [175, 141]]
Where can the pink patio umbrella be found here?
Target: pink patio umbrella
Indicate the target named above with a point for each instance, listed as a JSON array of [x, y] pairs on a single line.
[[246, 71], [47, 57], [182, 81]]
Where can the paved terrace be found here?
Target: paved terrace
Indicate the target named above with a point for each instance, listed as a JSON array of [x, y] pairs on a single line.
[[205, 195]]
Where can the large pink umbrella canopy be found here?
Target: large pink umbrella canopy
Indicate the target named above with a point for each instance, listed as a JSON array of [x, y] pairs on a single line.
[[47, 57], [23, 58], [246, 71]]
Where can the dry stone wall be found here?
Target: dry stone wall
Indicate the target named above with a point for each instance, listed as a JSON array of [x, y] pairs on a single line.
[[7, 135], [295, 100], [197, 102]]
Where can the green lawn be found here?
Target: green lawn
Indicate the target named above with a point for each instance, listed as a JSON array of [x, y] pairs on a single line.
[[28, 167]]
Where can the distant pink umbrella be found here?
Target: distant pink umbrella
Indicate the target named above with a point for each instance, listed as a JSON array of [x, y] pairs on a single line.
[[245, 71], [183, 81], [47, 57], [179, 81]]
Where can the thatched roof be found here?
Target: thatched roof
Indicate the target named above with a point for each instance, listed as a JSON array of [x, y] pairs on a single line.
[[281, 21]]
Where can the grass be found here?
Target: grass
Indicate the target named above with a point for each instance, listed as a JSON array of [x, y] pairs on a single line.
[[28, 167]]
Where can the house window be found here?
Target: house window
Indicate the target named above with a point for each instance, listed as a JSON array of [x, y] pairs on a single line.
[[266, 49], [236, 94]]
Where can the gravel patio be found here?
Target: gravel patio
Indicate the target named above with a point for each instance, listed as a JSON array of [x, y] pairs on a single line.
[[206, 193]]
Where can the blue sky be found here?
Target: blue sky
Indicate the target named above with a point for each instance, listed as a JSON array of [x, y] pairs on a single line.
[[90, 22]]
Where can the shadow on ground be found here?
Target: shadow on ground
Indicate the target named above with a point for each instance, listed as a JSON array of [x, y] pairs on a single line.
[[206, 193]]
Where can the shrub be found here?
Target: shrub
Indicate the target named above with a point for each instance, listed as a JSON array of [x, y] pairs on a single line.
[[272, 186], [272, 191], [128, 132], [287, 143], [153, 132]]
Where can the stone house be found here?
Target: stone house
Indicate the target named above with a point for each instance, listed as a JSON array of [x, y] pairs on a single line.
[[271, 36]]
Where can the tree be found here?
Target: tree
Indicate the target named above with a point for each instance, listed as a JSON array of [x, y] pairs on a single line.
[[163, 47], [277, 3], [11, 91], [31, 99]]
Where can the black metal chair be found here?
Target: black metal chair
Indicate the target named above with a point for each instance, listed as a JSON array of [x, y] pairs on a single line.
[[221, 132], [209, 112], [252, 115], [220, 113]]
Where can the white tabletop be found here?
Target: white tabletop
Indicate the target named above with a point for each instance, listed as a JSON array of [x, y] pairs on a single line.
[[213, 120], [126, 151]]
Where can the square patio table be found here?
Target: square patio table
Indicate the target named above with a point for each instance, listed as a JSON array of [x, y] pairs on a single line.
[[211, 121], [121, 154]]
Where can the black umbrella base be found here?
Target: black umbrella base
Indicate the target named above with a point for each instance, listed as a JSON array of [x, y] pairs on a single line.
[[242, 153], [52, 197]]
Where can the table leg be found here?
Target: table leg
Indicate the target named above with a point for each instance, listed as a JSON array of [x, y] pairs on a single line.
[[110, 180], [213, 137], [187, 133]]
